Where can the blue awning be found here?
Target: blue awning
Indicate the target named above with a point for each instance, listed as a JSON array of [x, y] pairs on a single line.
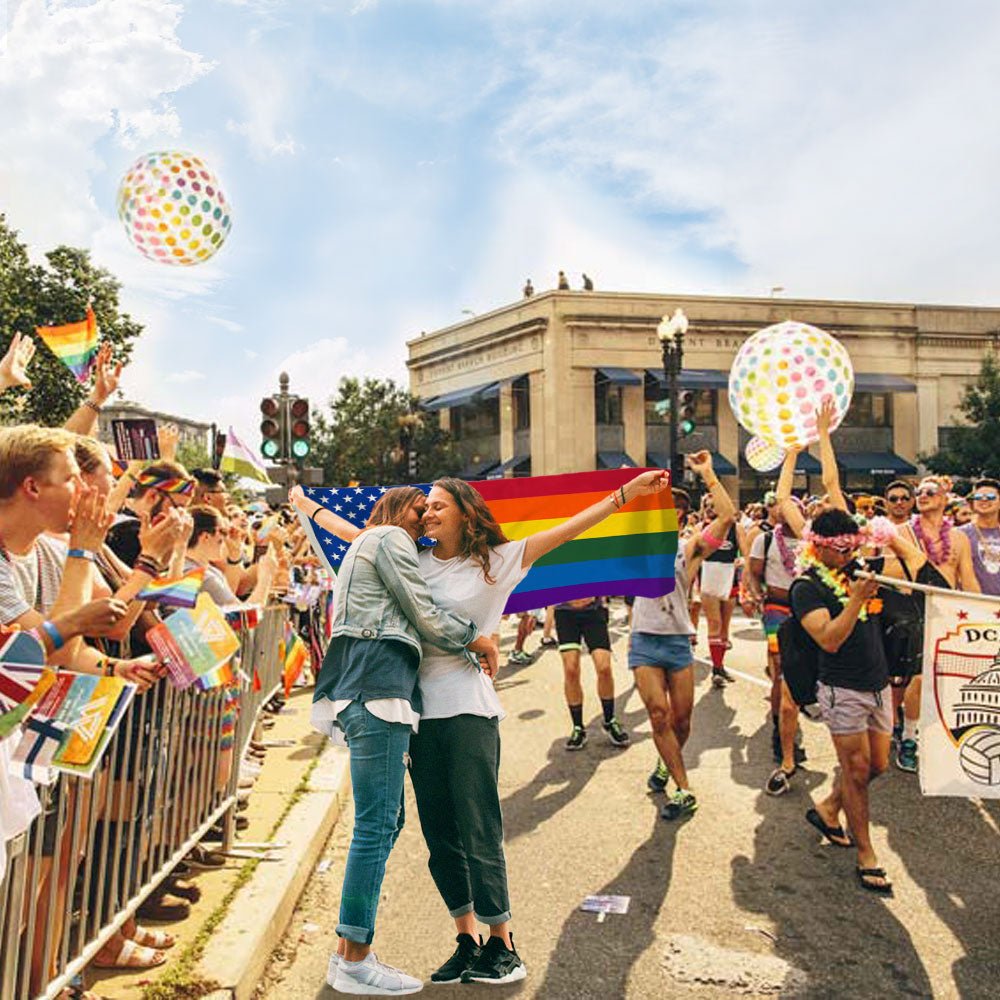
[[615, 460], [878, 463], [459, 397], [504, 467], [693, 378], [721, 464], [873, 382], [621, 376]]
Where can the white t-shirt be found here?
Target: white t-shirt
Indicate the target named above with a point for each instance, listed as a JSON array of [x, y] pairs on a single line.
[[667, 615], [449, 684], [775, 573]]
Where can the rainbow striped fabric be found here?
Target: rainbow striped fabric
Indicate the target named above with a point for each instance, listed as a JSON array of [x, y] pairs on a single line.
[[74, 344], [181, 592], [630, 552]]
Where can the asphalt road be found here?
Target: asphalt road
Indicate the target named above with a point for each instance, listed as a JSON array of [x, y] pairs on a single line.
[[741, 899]]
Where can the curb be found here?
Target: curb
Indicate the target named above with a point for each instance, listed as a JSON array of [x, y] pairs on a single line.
[[241, 946]]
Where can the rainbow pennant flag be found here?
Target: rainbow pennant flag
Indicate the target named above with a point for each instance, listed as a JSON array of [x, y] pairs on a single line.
[[630, 552], [74, 344], [181, 592]]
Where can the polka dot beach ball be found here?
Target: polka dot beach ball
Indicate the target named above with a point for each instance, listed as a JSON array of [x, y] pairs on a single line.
[[780, 379], [173, 209]]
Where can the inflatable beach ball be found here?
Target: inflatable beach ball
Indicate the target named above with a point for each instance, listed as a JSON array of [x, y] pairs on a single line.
[[780, 379], [173, 209], [762, 455]]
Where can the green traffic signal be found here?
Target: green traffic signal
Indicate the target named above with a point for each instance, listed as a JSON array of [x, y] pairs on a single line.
[[270, 448], [300, 448]]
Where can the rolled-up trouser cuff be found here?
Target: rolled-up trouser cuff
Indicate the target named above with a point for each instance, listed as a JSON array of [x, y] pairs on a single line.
[[359, 935], [500, 918], [460, 911]]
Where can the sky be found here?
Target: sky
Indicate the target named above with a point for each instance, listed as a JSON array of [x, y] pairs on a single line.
[[393, 163]]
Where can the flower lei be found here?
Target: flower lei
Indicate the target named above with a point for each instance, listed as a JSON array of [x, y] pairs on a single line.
[[787, 556], [837, 582], [938, 552]]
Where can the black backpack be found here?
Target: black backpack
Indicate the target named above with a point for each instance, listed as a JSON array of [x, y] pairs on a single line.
[[799, 655]]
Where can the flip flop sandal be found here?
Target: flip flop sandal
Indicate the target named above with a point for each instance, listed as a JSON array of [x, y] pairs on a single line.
[[154, 938], [134, 956], [865, 875], [834, 834]]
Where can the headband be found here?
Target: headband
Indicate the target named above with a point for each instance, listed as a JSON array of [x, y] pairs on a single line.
[[839, 543], [165, 484]]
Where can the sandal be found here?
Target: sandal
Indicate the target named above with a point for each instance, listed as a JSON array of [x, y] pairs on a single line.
[[780, 781], [151, 937], [867, 877], [834, 834], [133, 956], [549, 641]]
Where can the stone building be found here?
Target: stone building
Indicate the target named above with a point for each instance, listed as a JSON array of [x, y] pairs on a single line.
[[191, 431], [569, 381]]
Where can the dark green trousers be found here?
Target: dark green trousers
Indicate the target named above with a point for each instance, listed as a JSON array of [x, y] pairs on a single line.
[[454, 764]]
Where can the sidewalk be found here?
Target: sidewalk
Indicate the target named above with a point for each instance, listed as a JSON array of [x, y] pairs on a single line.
[[312, 808]]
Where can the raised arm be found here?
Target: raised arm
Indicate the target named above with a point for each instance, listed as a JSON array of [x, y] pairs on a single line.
[[828, 458], [14, 364], [326, 519], [790, 512], [542, 542], [107, 374], [705, 542]]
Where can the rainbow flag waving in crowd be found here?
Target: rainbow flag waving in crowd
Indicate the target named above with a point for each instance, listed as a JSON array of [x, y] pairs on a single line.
[[74, 344], [181, 592], [630, 552]]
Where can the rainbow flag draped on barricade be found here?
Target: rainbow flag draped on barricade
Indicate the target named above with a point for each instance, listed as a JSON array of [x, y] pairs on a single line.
[[293, 653], [630, 552], [74, 344]]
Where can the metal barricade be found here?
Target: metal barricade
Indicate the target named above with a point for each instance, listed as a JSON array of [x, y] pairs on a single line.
[[102, 846]]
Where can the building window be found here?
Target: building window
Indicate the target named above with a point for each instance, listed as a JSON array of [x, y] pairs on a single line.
[[869, 409], [478, 417], [705, 405], [520, 393], [607, 401]]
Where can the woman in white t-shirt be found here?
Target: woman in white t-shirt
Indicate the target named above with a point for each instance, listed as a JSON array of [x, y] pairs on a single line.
[[455, 756]]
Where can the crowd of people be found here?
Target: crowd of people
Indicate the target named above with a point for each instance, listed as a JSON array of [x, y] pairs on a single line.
[[405, 684], [81, 535]]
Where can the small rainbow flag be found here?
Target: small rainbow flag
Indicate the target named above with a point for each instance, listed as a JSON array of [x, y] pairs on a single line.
[[74, 344], [181, 592], [630, 552], [295, 657]]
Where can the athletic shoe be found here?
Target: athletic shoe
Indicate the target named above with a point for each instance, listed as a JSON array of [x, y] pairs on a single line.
[[577, 740], [617, 735], [519, 656], [370, 977], [906, 756], [547, 640], [657, 781], [464, 959], [496, 964], [681, 803], [724, 674]]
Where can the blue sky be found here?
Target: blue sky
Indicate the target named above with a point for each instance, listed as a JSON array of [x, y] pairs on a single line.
[[393, 162]]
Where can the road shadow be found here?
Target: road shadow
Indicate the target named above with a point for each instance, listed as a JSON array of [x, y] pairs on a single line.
[[594, 960]]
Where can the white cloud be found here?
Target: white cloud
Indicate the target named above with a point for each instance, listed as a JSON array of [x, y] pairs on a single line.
[[227, 324], [180, 378]]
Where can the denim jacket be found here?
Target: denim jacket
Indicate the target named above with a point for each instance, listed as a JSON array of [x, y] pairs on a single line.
[[381, 594]]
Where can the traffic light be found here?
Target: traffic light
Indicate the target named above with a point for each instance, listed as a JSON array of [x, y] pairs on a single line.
[[299, 430], [271, 430], [220, 448], [685, 413]]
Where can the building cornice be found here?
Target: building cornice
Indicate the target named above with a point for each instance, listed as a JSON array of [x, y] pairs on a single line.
[[537, 324]]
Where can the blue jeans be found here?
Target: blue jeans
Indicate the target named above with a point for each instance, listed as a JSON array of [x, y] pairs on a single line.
[[378, 766]]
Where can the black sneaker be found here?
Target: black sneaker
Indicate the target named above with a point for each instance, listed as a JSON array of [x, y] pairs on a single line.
[[681, 803], [617, 735], [659, 779], [465, 957], [496, 964], [577, 741], [721, 677]]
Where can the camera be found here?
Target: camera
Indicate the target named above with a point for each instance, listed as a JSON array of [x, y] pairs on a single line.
[[873, 564]]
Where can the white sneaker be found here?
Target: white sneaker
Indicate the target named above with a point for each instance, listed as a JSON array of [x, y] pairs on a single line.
[[371, 977]]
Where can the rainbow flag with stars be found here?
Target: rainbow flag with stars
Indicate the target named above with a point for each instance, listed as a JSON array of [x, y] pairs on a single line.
[[74, 344], [632, 551], [181, 592]]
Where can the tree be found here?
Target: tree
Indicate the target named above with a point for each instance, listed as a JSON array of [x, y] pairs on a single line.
[[369, 430], [48, 295], [973, 449]]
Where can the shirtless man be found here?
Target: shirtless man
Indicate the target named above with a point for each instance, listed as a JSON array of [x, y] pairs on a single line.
[[949, 552]]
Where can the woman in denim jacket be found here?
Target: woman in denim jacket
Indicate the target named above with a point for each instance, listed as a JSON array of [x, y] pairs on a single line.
[[367, 689]]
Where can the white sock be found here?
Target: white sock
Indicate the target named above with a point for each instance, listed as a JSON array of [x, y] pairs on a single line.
[[910, 729]]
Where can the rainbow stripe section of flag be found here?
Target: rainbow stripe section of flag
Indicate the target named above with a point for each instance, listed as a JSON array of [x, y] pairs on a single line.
[[74, 344], [630, 552], [295, 655], [181, 592]]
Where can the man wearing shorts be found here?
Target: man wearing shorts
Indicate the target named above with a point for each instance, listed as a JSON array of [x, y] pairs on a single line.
[[660, 654], [578, 622], [840, 616]]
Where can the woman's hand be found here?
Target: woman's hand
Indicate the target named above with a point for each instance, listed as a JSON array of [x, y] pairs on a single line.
[[824, 418], [700, 463], [168, 436], [143, 672], [647, 482], [489, 654], [297, 498]]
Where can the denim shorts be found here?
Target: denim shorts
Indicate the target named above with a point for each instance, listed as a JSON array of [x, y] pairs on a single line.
[[671, 652]]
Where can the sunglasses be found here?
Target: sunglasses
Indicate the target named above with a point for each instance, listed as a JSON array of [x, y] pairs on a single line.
[[985, 496], [927, 491], [899, 498]]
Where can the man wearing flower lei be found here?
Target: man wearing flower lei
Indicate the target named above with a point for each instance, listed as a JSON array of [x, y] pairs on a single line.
[[840, 615], [949, 553]]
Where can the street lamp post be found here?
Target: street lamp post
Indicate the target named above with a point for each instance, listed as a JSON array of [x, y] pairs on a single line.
[[671, 332]]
